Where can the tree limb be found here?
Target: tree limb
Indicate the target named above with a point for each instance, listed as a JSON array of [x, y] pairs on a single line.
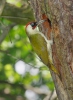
[[21, 15], [61, 15], [34, 89], [2, 4], [5, 32]]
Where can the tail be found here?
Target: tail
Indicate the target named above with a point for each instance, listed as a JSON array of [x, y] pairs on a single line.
[[52, 67]]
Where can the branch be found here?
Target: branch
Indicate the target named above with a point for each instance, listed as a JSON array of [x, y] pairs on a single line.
[[5, 32], [38, 90], [7, 53], [2, 4], [14, 85], [35, 89], [52, 96], [18, 15], [11, 96], [49, 95], [2, 94]]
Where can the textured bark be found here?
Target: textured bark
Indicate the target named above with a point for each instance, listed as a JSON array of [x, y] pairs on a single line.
[[60, 12]]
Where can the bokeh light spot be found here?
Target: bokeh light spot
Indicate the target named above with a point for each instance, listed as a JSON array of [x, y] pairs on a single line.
[[20, 67]]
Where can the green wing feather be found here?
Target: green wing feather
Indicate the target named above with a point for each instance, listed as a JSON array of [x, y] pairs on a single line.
[[40, 47]]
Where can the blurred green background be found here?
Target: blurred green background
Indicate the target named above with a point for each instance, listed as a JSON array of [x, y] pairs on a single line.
[[21, 71]]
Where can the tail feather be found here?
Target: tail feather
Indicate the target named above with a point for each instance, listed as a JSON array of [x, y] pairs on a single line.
[[52, 67]]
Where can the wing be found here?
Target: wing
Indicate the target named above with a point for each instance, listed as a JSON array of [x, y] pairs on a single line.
[[40, 47]]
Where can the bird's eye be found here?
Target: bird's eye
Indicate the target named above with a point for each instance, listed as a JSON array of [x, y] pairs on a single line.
[[33, 24]]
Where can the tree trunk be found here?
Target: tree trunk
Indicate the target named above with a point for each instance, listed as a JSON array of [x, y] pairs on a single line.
[[60, 14]]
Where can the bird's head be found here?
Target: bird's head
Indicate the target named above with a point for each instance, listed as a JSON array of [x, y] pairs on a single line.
[[32, 27]]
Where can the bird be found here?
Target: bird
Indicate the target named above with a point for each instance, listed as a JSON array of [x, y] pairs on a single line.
[[40, 44]]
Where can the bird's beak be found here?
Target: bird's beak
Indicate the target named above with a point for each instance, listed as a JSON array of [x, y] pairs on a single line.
[[41, 21]]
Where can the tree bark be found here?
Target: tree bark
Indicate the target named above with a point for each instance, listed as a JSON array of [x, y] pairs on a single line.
[[60, 13]]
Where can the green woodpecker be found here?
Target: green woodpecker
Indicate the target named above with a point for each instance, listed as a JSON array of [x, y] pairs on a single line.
[[40, 44]]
